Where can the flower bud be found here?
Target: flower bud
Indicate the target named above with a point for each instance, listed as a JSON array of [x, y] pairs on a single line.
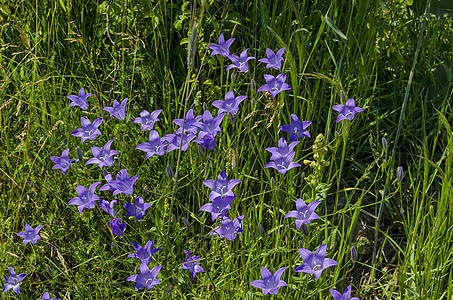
[[71, 115], [262, 230], [112, 246], [304, 229], [353, 253], [233, 76], [205, 106], [169, 172], [253, 85], [342, 95], [272, 181], [400, 173], [104, 171], [187, 223], [384, 143], [79, 155]]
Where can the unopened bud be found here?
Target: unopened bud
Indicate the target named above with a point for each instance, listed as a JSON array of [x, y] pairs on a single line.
[[400, 173], [169, 172], [71, 115], [79, 155], [231, 117], [49, 270], [262, 230], [205, 106], [342, 95], [253, 85], [272, 181], [187, 223], [353, 253], [112, 246], [200, 150], [384, 143], [233, 76], [336, 134], [304, 229]]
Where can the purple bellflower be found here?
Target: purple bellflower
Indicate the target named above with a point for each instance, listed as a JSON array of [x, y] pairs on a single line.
[[13, 281], [87, 199], [117, 227], [304, 214], [229, 228], [282, 150], [270, 283], [222, 186], [122, 184], [64, 162], [345, 296], [315, 262], [155, 146], [210, 126], [273, 60], [222, 48], [144, 254], [348, 111], [188, 123], [80, 100], [274, 85], [137, 210], [296, 128], [30, 235], [240, 62], [146, 278], [108, 207], [218, 207], [207, 142], [191, 264], [118, 110], [107, 186], [147, 120], [230, 105], [89, 131], [102, 157], [46, 296], [284, 163], [174, 141]]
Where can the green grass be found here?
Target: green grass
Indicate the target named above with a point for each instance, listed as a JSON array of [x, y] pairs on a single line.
[[391, 57]]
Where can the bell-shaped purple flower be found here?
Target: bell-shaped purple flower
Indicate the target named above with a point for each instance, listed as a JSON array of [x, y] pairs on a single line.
[[46, 296], [191, 264], [345, 296], [123, 184], [348, 111], [282, 150], [174, 141], [222, 48], [210, 126], [137, 210], [144, 253], [146, 278], [270, 283], [147, 120], [274, 85], [229, 228], [273, 60], [304, 214], [207, 142], [13, 281], [30, 235], [297, 129], [230, 105], [284, 163], [218, 206], [80, 100], [102, 157], [87, 199], [118, 110], [155, 146], [117, 227], [89, 131], [108, 207], [240, 62], [222, 186], [64, 162], [189, 122], [315, 262]]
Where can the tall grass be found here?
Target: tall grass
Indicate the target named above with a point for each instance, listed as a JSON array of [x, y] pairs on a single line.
[[382, 54]]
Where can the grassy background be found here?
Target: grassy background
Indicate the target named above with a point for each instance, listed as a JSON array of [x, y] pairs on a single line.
[[392, 57]]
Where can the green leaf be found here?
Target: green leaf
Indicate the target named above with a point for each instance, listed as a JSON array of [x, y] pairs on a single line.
[[334, 27]]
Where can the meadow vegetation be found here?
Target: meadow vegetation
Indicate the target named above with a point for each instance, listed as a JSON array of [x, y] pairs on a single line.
[[381, 183]]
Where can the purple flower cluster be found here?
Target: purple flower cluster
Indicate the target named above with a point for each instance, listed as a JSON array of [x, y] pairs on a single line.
[[282, 157]]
